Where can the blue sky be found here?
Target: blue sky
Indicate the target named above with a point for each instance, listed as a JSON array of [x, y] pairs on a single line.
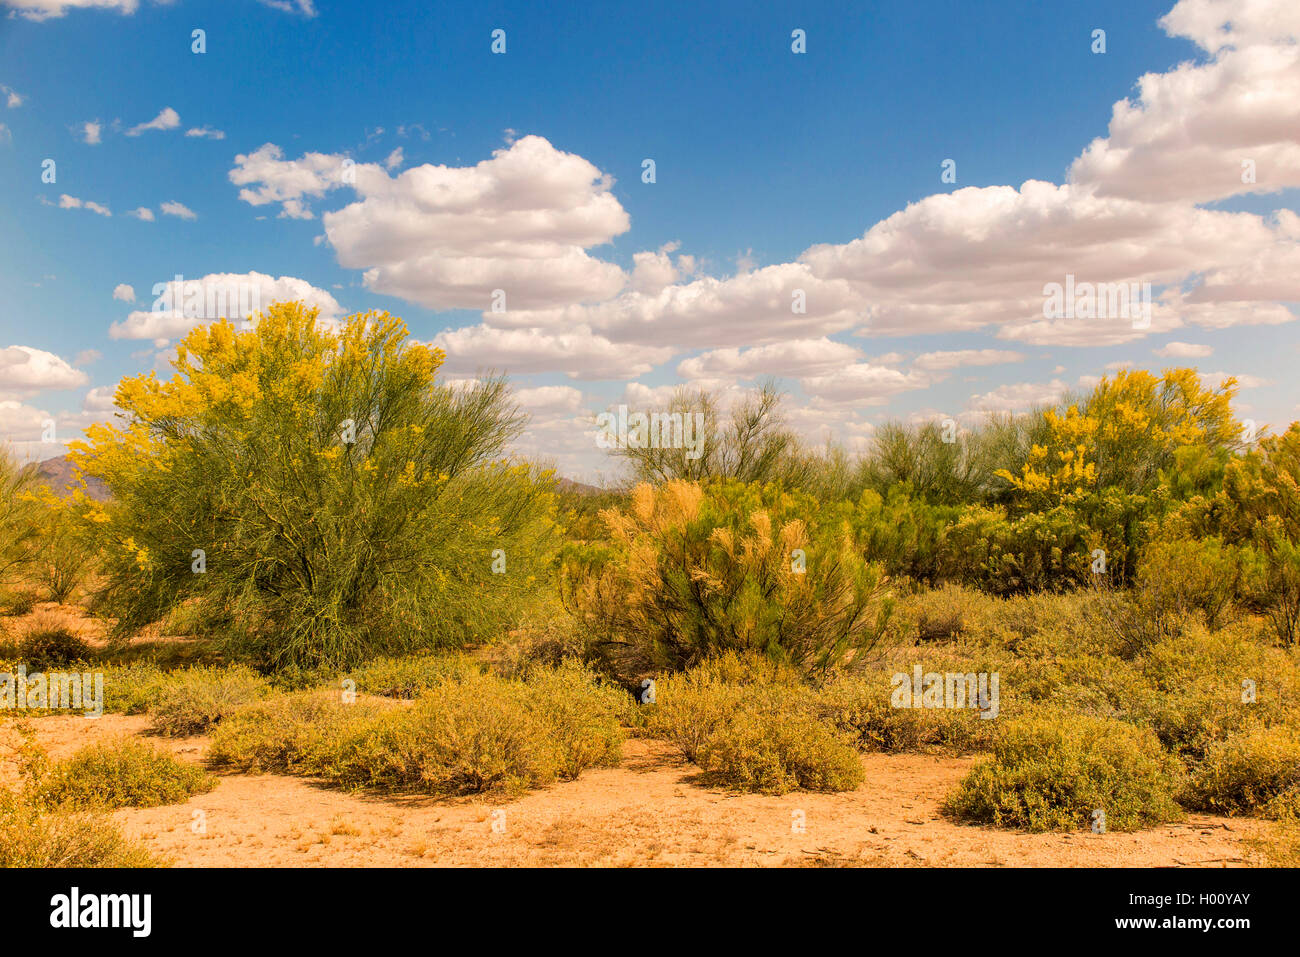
[[770, 166]]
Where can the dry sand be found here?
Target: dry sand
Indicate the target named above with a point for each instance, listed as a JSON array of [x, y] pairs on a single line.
[[649, 811]]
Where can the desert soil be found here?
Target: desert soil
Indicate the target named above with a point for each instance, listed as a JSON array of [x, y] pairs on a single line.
[[649, 811]]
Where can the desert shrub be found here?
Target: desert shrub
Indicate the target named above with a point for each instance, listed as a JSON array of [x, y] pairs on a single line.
[[124, 773], [1198, 684], [48, 645], [693, 571], [19, 602], [690, 707], [132, 688], [861, 707], [411, 676], [1102, 686], [64, 553], [1254, 769], [193, 700], [30, 837], [751, 724], [949, 612], [19, 515], [1272, 583], [1181, 576], [772, 751], [1051, 771], [346, 503], [583, 716], [289, 733], [461, 738]]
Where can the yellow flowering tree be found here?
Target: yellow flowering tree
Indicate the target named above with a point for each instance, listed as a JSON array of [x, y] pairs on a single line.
[[318, 490]]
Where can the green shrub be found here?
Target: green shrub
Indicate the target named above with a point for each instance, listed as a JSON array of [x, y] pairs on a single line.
[[860, 706], [63, 839], [950, 612], [192, 701], [411, 676], [1254, 769], [48, 646], [1051, 771], [582, 717], [124, 773], [696, 570], [772, 751], [132, 688], [467, 733], [349, 503], [1180, 577], [461, 738], [751, 724], [288, 733], [19, 602]]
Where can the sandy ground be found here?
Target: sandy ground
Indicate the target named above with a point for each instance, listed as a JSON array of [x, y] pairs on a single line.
[[649, 811]]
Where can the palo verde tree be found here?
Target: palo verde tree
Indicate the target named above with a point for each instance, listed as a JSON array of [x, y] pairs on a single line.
[[317, 491]]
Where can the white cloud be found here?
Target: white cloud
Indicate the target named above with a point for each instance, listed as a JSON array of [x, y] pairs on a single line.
[[46, 9], [1183, 350], [168, 119], [90, 132], [180, 210], [959, 358], [1018, 397], [205, 132], [578, 353], [143, 213], [1191, 129], [179, 307], [796, 357], [306, 8], [124, 292], [72, 202], [13, 99], [395, 159], [25, 371], [862, 384]]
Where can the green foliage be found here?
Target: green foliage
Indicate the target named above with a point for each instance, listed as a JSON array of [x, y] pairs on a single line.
[[20, 602], [413, 675], [124, 773], [1051, 771], [1254, 769], [194, 700], [467, 733], [694, 571], [750, 724], [49, 646], [346, 503], [31, 837]]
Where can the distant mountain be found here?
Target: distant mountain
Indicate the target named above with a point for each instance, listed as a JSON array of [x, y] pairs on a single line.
[[578, 488], [59, 474]]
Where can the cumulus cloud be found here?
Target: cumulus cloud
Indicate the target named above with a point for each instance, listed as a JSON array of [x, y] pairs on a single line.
[[959, 358], [90, 132], [143, 213], [1207, 131], [25, 371], [47, 9], [579, 353], [179, 210], [168, 119], [797, 357], [1183, 350], [180, 306], [450, 237], [124, 292], [72, 202], [1018, 397]]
